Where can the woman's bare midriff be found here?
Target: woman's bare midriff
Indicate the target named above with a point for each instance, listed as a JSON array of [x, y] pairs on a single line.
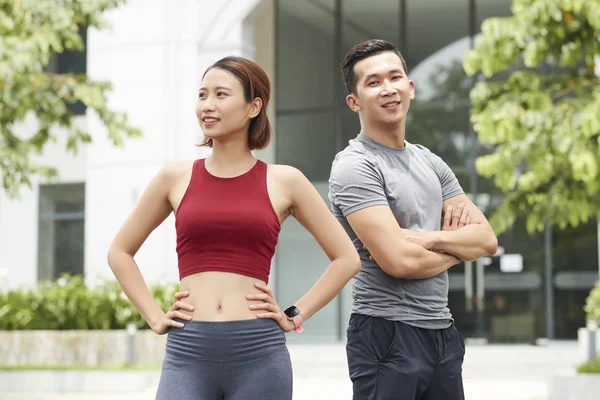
[[220, 296]]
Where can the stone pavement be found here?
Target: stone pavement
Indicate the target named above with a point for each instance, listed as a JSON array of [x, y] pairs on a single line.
[[491, 372]]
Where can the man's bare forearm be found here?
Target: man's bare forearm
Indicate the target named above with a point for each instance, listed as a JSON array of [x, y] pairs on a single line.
[[467, 243], [412, 261], [429, 264]]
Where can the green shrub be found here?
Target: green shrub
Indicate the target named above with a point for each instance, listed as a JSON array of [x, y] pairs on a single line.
[[590, 367], [69, 304], [592, 303]]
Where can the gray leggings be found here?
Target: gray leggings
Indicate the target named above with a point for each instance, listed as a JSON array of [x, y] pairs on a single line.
[[231, 360]]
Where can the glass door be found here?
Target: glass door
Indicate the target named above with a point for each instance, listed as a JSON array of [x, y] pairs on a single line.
[[500, 299]]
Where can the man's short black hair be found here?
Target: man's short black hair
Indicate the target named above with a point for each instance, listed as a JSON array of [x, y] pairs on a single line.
[[361, 51]]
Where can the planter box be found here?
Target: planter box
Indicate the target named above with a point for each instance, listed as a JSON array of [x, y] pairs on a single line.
[[577, 387], [90, 348], [582, 340]]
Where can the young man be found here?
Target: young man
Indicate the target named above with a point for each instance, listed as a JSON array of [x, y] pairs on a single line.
[[389, 195]]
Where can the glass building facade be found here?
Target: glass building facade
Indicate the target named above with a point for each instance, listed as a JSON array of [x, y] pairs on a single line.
[[313, 123]]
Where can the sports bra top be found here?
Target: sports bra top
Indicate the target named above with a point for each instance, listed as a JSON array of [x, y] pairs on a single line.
[[226, 224]]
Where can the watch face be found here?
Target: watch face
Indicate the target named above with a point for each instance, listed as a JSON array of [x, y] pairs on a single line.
[[291, 311]]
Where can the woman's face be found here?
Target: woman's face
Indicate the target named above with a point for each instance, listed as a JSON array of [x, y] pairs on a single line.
[[221, 108]]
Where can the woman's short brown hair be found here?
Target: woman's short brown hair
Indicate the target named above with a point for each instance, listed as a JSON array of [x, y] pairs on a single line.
[[256, 83]]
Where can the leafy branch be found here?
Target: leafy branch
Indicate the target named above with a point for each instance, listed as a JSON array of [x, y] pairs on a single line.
[[542, 120], [32, 32]]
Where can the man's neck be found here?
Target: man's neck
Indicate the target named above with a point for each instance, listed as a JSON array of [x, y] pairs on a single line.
[[386, 134]]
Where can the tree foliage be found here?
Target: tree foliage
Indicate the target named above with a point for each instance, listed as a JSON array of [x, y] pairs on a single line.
[[537, 105], [31, 33]]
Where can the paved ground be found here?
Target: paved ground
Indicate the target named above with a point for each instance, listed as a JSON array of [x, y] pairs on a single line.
[[491, 372]]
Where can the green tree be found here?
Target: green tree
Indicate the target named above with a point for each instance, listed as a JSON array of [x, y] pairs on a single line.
[[31, 33], [537, 106]]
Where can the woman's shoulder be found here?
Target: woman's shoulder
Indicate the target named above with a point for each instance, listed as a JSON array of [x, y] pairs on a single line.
[[285, 173], [290, 179], [174, 170]]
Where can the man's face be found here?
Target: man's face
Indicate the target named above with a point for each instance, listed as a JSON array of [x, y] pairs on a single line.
[[383, 91]]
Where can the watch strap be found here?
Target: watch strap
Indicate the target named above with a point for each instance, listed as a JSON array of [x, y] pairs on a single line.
[[297, 320]]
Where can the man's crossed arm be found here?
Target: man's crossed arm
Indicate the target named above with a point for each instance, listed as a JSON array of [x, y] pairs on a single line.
[[402, 253], [380, 233], [473, 240]]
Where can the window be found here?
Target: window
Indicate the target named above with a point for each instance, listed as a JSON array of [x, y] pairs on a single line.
[[314, 123], [307, 81], [74, 62], [61, 230]]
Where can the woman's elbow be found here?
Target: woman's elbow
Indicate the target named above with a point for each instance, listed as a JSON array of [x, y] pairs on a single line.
[[354, 263], [111, 257], [114, 257]]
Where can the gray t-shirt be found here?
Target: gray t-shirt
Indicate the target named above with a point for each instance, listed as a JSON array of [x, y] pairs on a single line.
[[413, 182]]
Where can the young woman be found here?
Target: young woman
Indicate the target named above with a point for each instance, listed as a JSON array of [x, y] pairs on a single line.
[[226, 340]]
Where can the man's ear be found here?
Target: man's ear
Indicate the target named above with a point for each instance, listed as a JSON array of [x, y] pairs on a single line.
[[412, 89], [352, 102]]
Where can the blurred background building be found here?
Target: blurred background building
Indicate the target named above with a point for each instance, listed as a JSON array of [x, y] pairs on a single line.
[[155, 56]]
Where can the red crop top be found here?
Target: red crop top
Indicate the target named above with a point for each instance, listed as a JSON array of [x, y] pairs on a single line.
[[226, 224]]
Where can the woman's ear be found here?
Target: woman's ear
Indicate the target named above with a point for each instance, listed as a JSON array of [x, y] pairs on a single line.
[[255, 107]]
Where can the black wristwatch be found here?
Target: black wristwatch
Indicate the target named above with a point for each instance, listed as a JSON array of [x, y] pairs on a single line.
[[293, 314]]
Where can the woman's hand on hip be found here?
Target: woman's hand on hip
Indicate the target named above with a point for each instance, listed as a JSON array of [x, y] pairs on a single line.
[[162, 325], [273, 311]]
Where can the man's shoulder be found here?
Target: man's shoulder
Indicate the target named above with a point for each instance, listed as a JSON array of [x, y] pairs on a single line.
[[419, 149], [354, 149], [423, 152], [355, 156]]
